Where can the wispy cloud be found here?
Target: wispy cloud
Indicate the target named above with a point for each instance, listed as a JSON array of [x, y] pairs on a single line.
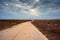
[[36, 8], [30, 10], [34, 12]]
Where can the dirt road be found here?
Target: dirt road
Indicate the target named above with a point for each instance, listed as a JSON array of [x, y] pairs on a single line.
[[24, 31]]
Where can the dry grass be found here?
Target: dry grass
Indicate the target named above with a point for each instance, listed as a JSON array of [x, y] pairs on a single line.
[[4, 24], [50, 28]]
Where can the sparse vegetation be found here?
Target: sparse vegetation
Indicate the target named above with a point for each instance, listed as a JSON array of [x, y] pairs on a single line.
[[50, 28], [4, 24]]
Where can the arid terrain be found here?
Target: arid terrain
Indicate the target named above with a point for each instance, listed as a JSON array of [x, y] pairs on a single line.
[[50, 28], [4, 24]]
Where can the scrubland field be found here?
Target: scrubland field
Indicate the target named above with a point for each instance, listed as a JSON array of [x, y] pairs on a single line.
[[50, 28]]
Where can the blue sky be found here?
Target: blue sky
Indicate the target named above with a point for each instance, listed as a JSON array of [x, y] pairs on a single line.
[[29, 9]]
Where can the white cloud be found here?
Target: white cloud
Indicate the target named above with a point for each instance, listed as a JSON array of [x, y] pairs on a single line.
[[35, 2], [34, 12], [17, 5], [50, 10], [25, 6], [6, 4], [31, 11]]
